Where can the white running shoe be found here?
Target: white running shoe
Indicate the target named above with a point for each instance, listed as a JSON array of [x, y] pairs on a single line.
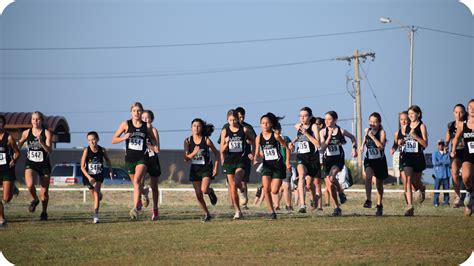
[[96, 218]]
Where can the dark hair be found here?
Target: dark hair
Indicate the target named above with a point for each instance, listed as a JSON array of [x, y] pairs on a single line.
[[2, 117], [307, 109], [320, 120], [150, 113], [93, 133], [333, 114], [275, 120], [240, 110], [460, 105], [416, 109], [376, 115], [206, 129], [472, 100]]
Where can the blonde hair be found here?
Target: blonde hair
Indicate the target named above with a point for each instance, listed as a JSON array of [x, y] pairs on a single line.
[[136, 104]]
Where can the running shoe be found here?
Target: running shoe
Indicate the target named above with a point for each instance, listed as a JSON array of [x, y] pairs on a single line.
[[302, 209], [33, 204], [245, 197], [289, 208], [145, 197], [422, 195], [368, 204], [139, 205], [16, 191], [155, 215], [337, 212], [133, 214], [3, 223], [379, 211], [95, 218], [245, 207], [237, 216], [273, 216], [43, 216], [410, 211], [212, 196], [206, 218], [468, 200], [342, 197], [457, 203]]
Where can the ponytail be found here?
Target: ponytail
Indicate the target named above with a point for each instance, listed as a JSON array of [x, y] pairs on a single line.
[[274, 120]]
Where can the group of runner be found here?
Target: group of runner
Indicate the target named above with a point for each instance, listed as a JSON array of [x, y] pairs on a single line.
[[319, 157]]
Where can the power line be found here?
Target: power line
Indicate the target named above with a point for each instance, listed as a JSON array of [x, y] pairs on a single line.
[[377, 100], [447, 32], [168, 73], [197, 43], [206, 106]]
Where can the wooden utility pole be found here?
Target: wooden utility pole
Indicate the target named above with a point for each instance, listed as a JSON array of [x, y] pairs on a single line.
[[358, 134]]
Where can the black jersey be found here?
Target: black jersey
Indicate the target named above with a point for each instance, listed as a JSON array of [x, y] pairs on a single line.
[[305, 149], [373, 152], [400, 136], [334, 150], [95, 161], [468, 136], [412, 146], [136, 145], [5, 153], [452, 132], [36, 153], [202, 159], [271, 148], [236, 146]]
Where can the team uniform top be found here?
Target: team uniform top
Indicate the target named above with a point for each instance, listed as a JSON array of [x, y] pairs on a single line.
[[334, 151], [305, 149], [236, 150], [452, 132], [412, 146], [5, 153], [202, 160], [272, 155], [468, 136], [95, 162], [136, 145], [36, 155], [373, 152]]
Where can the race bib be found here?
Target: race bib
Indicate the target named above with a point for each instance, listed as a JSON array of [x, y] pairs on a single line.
[[94, 168], [374, 153], [135, 144], [151, 153], [333, 150], [270, 154], [470, 144], [3, 158], [235, 146], [411, 146], [303, 147], [198, 159], [35, 156]]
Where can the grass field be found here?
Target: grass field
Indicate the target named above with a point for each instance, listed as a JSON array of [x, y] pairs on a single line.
[[434, 236]]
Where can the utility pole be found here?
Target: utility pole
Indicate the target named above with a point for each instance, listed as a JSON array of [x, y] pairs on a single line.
[[356, 57]]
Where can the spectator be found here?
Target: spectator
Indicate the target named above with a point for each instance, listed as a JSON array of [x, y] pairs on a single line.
[[441, 165]]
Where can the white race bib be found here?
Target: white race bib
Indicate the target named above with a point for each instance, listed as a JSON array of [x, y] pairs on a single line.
[[94, 168], [470, 144], [303, 147], [411, 146], [135, 144], [333, 150], [270, 154], [198, 159], [35, 156], [3, 158], [151, 153], [374, 153], [235, 146]]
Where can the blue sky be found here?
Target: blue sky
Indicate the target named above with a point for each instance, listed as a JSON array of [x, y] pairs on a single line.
[[93, 89]]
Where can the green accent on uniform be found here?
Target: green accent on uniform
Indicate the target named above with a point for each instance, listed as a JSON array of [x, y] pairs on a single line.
[[130, 166], [7, 176], [198, 176], [229, 169], [44, 171], [274, 173]]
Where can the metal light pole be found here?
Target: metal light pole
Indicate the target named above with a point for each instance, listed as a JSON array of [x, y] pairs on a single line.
[[411, 38]]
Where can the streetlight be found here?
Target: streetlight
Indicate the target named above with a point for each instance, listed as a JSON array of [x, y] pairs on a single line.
[[411, 38]]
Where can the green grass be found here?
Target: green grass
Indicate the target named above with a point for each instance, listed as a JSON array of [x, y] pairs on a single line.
[[434, 236]]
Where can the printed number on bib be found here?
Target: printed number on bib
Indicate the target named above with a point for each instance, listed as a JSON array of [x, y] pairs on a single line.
[[374, 153], [94, 168], [35, 156], [303, 147], [235, 146], [470, 144], [411, 146], [198, 159], [333, 150], [270, 154], [3, 158], [135, 144]]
